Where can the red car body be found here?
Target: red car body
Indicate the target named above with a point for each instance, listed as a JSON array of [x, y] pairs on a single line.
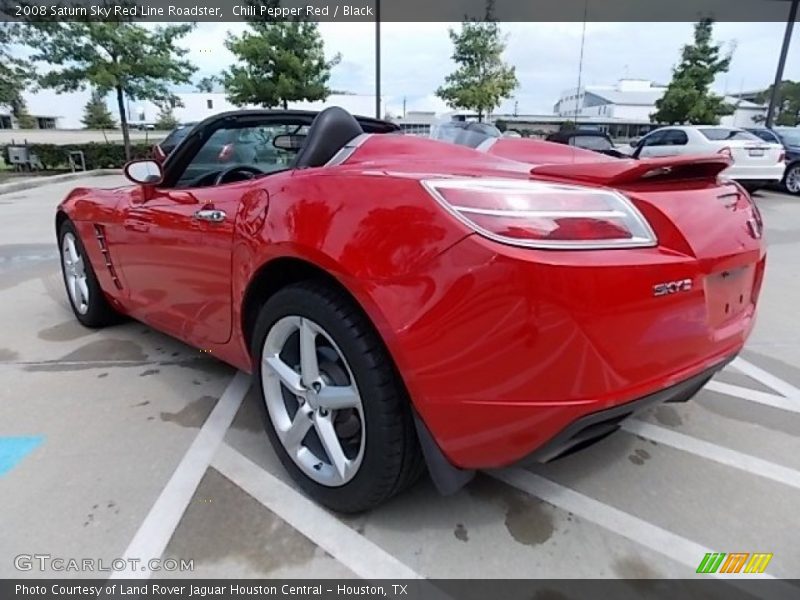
[[502, 348]]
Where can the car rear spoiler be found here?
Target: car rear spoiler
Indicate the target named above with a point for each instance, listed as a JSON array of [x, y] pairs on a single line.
[[629, 171]]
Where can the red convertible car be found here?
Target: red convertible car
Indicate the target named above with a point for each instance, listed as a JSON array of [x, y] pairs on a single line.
[[405, 302]]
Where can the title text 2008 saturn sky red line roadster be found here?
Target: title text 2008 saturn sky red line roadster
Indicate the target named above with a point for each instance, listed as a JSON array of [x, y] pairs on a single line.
[[405, 302]]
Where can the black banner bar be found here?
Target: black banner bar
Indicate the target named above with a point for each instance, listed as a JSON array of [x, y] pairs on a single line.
[[396, 10], [734, 588]]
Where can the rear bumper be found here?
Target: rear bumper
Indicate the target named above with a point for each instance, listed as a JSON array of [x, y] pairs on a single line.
[[767, 173], [593, 427]]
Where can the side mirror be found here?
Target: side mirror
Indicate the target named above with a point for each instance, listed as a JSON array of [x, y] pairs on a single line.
[[290, 142], [635, 142], [144, 172]]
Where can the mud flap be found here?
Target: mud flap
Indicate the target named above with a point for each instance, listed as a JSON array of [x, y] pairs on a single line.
[[447, 478]]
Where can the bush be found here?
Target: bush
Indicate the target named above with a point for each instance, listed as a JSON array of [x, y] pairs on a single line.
[[98, 155]]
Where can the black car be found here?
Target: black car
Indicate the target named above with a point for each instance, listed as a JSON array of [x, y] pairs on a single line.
[[588, 139], [790, 138]]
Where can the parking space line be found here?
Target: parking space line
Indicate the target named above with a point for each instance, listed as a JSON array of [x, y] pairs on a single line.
[[363, 557], [155, 532], [653, 537], [725, 456], [768, 379], [764, 398]]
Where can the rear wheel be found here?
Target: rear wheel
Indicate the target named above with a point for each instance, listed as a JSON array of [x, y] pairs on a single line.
[[791, 180], [88, 302], [335, 411]]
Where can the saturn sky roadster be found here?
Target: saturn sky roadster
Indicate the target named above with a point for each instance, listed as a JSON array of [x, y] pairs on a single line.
[[406, 303]]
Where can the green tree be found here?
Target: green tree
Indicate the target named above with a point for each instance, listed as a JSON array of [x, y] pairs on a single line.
[[15, 73], [481, 80], [133, 61], [19, 110], [787, 109], [207, 84], [688, 98], [96, 114], [166, 119], [278, 62]]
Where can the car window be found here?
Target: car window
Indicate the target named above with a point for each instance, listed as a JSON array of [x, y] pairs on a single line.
[[241, 146], [465, 134], [591, 142], [675, 137], [176, 137], [718, 134], [766, 135], [654, 139]]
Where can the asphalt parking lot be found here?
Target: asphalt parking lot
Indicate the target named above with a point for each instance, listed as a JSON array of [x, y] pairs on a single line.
[[127, 443]]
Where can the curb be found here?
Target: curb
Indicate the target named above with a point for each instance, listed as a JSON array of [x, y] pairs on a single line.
[[34, 182]]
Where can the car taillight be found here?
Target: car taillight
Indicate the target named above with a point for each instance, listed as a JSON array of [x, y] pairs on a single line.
[[726, 152], [226, 153], [539, 214]]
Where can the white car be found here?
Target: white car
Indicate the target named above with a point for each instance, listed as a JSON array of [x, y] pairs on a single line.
[[756, 163]]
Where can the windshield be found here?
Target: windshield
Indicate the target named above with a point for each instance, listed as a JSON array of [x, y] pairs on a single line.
[[718, 134], [790, 137], [591, 142], [464, 134]]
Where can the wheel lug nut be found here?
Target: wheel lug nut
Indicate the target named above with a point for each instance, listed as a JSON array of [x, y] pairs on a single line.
[[323, 412], [317, 386]]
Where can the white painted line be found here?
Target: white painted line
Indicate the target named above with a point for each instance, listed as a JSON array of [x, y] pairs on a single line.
[[155, 532], [768, 379], [754, 396], [646, 534], [725, 456], [353, 550]]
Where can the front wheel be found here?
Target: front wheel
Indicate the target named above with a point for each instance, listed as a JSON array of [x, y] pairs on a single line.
[[791, 180], [335, 411], [86, 298]]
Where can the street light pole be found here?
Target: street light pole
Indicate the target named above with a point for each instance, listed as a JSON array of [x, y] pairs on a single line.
[[787, 38], [377, 59]]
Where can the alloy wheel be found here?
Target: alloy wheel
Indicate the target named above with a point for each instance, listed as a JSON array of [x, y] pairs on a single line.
[[792, 181], [75, 273], [313, 401]]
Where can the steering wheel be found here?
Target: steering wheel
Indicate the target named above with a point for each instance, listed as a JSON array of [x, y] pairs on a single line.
[[253, 171]]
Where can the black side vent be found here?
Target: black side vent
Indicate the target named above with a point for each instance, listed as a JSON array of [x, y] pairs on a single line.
[[100, 233]]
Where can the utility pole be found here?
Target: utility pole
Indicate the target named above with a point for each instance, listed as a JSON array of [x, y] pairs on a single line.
[[378, 59], [580, 63], [787, 38]]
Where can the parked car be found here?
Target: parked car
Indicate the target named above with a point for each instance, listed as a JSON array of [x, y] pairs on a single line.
[[168, 144], [789, 137], [756, 163], [405, 302], [588, 139]]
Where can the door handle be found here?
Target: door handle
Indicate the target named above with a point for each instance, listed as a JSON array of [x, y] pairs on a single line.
[[211, 215]]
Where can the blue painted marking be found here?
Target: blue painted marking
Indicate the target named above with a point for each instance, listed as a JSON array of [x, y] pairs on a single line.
[[14, 449]]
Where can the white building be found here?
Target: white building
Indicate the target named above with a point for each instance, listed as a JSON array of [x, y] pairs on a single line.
[[65, 111], [633, 101]]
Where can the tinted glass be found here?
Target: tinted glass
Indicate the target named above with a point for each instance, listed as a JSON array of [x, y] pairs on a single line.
[[591, 142], [766, 135], [465, 134], [675, 137], [654, 139], [719, 134], [176, 137]]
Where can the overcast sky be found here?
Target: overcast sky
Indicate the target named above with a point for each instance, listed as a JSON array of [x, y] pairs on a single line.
[[416, 57]]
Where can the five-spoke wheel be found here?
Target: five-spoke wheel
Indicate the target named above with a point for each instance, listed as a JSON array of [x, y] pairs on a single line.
[[335, 409]]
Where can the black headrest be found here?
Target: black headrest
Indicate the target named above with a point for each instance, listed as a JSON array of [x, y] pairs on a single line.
[[329, 132]]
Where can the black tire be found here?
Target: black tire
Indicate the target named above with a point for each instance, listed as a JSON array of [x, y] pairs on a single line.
[[392, 459], [794, 171], [99, 312]]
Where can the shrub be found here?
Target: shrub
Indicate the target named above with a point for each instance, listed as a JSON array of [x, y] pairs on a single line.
[[98, 155]]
